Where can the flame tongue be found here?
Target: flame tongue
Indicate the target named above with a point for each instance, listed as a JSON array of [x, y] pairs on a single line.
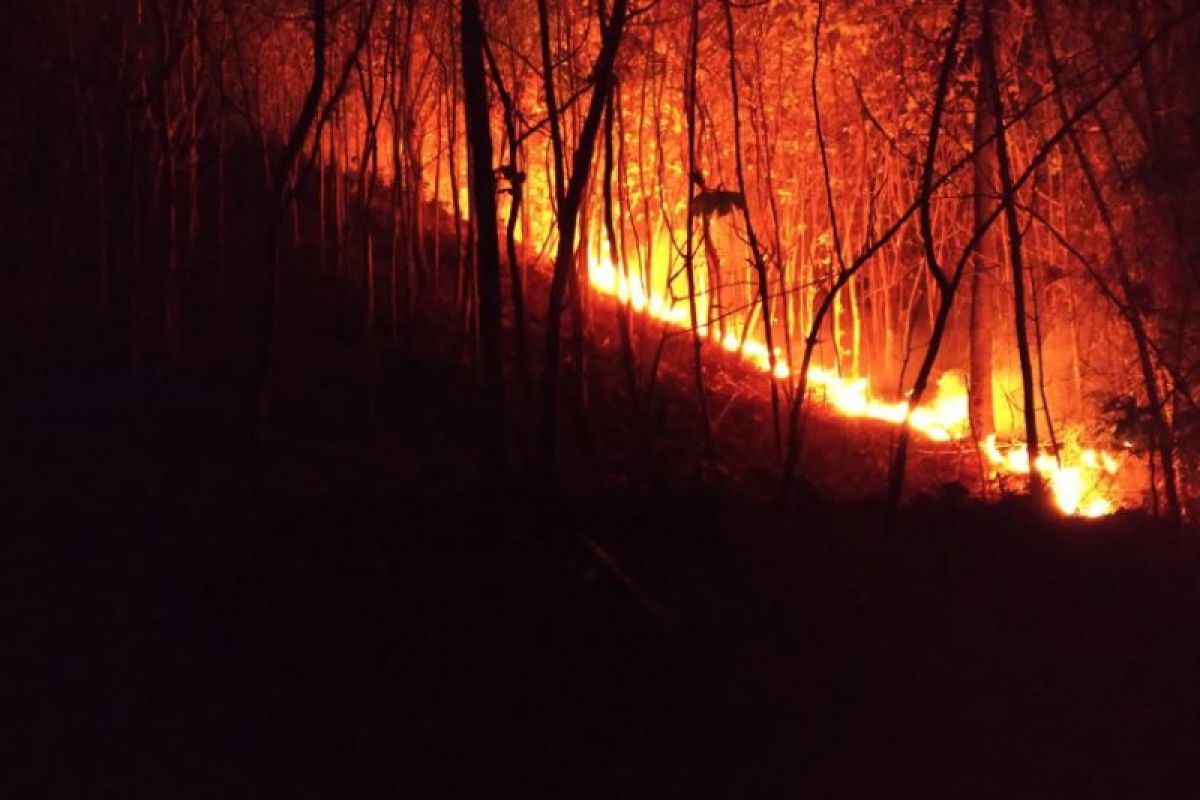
[[1078, 488]]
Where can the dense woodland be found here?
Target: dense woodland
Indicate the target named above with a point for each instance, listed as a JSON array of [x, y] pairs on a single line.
[[1001, 191]]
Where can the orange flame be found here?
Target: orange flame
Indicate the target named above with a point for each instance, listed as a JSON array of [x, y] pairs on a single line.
[[1081, 488]]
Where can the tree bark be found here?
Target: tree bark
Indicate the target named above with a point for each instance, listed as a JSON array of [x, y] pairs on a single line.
[[986, 260], [760, 265], [689, 255], [487, 246], [947, 287], [617, 256], [276, 212], [516, 188], [988, 53], [569, 201]]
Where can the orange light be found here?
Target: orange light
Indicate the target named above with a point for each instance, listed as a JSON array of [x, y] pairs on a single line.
[[1079, 489]]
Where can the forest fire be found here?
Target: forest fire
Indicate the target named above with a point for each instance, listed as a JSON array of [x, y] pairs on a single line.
[[1084, 487], [998, 258], [551, 398]]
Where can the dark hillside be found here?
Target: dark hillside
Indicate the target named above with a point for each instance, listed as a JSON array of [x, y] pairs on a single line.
[[348, 612]]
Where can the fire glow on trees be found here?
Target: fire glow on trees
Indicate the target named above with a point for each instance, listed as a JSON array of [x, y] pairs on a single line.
[[1083, 488], [718, 301], [843, 194]]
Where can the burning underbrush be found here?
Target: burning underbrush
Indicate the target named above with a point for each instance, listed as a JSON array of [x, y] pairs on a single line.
[[1083, 480]]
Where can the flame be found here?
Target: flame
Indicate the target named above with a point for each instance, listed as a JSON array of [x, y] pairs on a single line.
[[1082, 486], [1076, 487]]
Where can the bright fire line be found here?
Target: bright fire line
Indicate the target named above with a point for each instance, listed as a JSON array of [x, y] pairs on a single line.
[[1079, 488]]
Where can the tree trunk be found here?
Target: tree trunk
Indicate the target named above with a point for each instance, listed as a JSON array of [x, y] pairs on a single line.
[[516, 188], [947, 287], [569, 202], [988, 54], [690, 251], [620, 266], [987, 259], [487, 246], [760, 265], [277, 210]]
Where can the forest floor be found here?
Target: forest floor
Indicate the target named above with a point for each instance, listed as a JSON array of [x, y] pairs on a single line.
[[346, 612]]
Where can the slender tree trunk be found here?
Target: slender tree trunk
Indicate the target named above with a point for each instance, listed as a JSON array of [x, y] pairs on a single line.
[[483, 202], [987, 259], [760, 266], [277, 210], [171, 290], [689, 254], [947, 287], [516, 189], [712, 260], [617, 256], [398, 181], [988, 54], [415, 267], [194, 139], [452, 138], [570, 200], [102, 226]]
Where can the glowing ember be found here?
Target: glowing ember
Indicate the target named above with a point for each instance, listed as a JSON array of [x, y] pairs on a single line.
[[1079, 489]]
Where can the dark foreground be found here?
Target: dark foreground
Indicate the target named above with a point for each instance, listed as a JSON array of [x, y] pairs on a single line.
[[345, 613]]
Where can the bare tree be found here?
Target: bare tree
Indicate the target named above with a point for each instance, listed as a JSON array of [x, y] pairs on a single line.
[[569, 192], [987, 42], [487, 246], [280, 199]]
